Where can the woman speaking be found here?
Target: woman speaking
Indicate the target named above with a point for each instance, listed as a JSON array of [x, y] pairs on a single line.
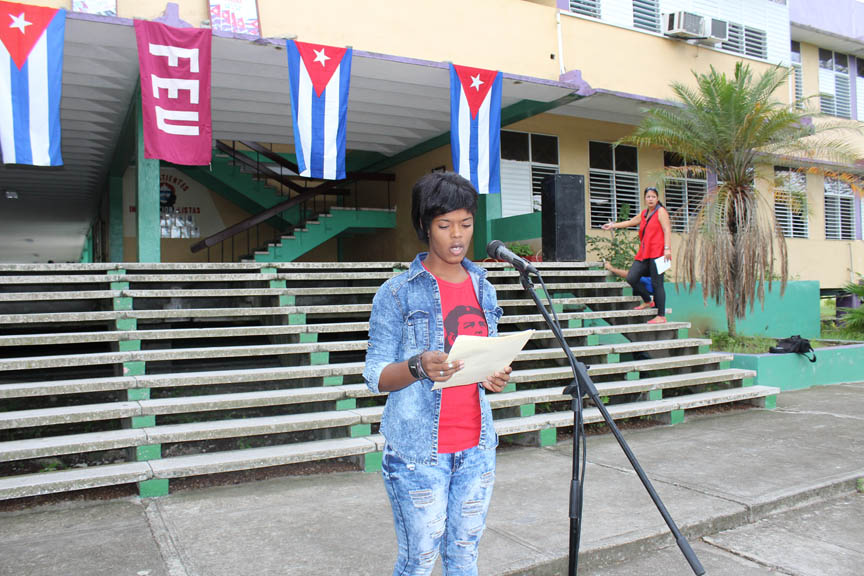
[[655, 241]]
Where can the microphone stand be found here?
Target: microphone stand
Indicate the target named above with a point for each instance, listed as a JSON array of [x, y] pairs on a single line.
[[582, 385]]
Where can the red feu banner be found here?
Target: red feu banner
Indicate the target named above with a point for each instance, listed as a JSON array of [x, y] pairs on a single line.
[[175, 92]]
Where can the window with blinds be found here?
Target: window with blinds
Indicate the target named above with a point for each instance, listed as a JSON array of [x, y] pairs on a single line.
[[745, 40], [684, 195], [790, 202], [646, 15], [834, 84], [526, 159], [839, 210], [798, 74], [586, 7], [613, 183]]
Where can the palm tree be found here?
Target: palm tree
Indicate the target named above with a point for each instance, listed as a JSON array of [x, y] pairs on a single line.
[[726, 127]]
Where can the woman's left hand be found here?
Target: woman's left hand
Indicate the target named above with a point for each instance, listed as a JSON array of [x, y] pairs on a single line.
[[667, 254], [497, 381]]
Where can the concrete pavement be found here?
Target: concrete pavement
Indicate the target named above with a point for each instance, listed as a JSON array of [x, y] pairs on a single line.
[[757, 492]]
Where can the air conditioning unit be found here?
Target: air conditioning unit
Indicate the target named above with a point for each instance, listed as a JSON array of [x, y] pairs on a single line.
[[683, 25], [716, 31]]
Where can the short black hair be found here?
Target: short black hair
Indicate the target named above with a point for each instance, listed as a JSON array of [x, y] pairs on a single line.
[[439, 193]]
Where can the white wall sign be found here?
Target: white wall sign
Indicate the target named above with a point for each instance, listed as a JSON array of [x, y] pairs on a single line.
[[235, 16], [187, 208], [100, 7]]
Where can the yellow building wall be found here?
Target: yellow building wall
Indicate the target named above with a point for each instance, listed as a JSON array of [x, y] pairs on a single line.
[[195, 12], [624, 60], [468, 33], [835, 262]]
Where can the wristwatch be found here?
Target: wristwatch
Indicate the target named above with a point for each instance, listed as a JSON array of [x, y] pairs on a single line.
[[415, 366]]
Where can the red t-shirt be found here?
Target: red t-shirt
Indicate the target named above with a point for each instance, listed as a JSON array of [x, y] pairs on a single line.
[[459, 422]]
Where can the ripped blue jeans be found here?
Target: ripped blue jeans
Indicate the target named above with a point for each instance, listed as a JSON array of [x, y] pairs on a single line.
[[439, 508]]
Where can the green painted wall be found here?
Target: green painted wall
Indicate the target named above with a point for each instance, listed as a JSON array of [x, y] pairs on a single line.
[[87, 249], [796, 313], [488, 211], [793, 371], [517, 228]]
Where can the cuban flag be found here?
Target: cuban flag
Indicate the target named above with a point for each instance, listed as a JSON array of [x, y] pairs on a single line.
[[475, 126], [320, 77], [31, 78]]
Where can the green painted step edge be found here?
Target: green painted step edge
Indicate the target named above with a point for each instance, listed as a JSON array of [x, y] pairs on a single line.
[[133, 394], [153, 488], [548, 437], [122, 303], [372, 461], [135, 368], [346, 404], [148, 452]]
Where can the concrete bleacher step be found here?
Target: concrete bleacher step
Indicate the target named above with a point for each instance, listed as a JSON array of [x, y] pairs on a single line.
[[174, 314], [88, 385], [592, 415], [228, 461], [51, 339], [101, 358], [215, 402], [216, 388]]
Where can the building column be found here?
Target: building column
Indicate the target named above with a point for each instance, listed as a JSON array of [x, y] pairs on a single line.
[[115, 219], [147, 200], [488, 209]]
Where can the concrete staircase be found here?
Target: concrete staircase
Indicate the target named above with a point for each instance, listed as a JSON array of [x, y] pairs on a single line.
[[328, 225], [140, 373]]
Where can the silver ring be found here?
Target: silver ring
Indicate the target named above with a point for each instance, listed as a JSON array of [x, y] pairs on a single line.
[[450, 365], [441, 372]]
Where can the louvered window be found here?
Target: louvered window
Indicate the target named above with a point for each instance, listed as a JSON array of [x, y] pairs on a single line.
[[798, 74], [755, 43], [646, 15], [790, 202], [839, 210], [526, 159], [745, 40], [859, 90], [684, 194], [586, 7], [834, 84], [613, 183]]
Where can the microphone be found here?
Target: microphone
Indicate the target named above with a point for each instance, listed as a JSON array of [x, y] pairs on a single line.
[[497, 250]]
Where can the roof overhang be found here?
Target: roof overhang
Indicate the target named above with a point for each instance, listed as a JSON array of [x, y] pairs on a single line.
[[396, 104], [612, 106]]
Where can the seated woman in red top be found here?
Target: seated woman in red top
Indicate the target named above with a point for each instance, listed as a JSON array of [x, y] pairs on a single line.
[[655, 241]]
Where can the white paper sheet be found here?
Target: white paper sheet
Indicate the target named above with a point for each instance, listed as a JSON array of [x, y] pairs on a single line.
[[662, 264], [483, 356]]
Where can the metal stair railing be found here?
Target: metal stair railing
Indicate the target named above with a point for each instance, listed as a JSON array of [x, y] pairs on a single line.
[[304, 195]]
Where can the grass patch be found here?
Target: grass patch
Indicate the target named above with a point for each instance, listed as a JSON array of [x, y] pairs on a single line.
[[830, 331], [722, 342]]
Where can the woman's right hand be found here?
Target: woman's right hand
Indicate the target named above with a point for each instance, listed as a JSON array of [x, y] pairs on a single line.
[[437, 367], [607, 226]]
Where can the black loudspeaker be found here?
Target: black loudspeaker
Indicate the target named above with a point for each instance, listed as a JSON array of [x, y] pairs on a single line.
[[563, 218]]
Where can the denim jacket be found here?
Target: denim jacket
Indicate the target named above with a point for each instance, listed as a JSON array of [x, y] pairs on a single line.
[[406, 320]]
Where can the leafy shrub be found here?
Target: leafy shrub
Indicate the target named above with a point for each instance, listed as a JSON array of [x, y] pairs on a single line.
[[619, 249]]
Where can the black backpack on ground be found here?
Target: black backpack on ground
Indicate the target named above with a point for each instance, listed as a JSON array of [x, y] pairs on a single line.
[[794, 345]]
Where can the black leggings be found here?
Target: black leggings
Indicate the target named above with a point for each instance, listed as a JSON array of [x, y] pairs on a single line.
[[642, 268]]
